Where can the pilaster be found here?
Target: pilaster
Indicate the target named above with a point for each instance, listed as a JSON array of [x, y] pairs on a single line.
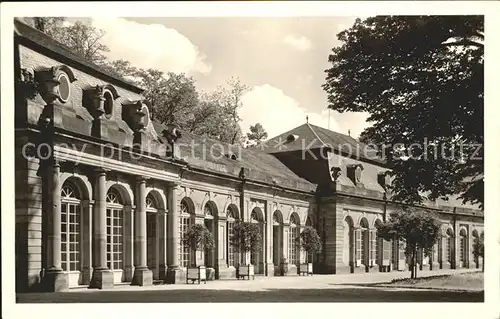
[[142, 275], [55, 279], [174, 272], [102, 277]]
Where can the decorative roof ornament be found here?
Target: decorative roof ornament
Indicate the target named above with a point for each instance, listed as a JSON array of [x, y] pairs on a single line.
[[96, 97], [136, 114], [336, 172], [172, 133], [48, 80], [354, 173]]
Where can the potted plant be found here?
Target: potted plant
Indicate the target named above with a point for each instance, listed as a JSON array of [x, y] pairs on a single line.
[[197, 237], [310, 243], [247, 237]]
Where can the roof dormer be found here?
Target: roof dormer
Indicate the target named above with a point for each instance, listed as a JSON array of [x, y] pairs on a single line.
[[354, 173], [384, 180], [292, 138]]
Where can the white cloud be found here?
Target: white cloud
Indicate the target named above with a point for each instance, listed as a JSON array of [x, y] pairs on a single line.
[[300, 43], [277, 112], [151, 46]]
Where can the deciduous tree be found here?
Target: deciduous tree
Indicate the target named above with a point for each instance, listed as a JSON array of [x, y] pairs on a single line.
[[198, 237], [310, 241], [478, 248], [418, 229], [420, 78], [257, 133], [174, 97], [47, 25], [247, 237]]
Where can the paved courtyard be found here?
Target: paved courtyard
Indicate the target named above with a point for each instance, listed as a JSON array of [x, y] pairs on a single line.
[[317, 288]]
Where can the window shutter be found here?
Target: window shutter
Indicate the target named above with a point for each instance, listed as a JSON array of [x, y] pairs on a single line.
[[357, 234]]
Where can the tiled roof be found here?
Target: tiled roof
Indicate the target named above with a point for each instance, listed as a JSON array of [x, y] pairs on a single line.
[[22, 30], [312, 137], [205, 153]]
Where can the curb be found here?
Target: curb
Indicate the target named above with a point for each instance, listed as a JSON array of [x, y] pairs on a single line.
[[425, 288]]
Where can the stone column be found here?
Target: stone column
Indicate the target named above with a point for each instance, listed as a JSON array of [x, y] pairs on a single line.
[[142, 275], [174, 273], [284, 249], [162, 267], [102, 277], [455, 252], [128, 242], [222, 244], [86, 245], [55, 279], [471, 263], [269, 242]]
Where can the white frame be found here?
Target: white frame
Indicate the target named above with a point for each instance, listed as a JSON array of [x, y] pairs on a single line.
[[59, 76], [113, 207], [108, 115], [74, 274]]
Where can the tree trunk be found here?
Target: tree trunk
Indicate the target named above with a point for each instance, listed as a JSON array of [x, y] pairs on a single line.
[[412, 263], [195, 259], [482, 266], [415, 263]]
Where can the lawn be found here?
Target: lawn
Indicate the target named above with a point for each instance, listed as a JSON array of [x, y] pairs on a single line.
[[467, 281]]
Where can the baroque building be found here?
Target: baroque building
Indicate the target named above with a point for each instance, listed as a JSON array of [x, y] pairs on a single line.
[[104, 194]]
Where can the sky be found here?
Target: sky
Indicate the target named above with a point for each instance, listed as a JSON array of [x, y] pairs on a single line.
[[282, 60]]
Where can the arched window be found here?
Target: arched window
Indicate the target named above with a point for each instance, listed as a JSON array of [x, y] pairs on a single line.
[[449, 245], [151, 213], [364, 245], [70, 227], [293, 254], [114, 230], [231, 215], [209, 212], [186, 257], [277, 237], [151, 230], [64, 87], [257, 257], [108, 103], [463, 247]]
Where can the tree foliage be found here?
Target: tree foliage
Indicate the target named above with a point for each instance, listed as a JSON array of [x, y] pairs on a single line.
[[81, 38], [198, 237], [227, 100], [478, 248], [247, 237], [47, 25], [174, 97], [420, 78], [310, 240], [418, 229], [257, 133]]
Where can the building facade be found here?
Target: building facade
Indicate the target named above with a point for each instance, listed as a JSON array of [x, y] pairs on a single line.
[[104, 194]]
